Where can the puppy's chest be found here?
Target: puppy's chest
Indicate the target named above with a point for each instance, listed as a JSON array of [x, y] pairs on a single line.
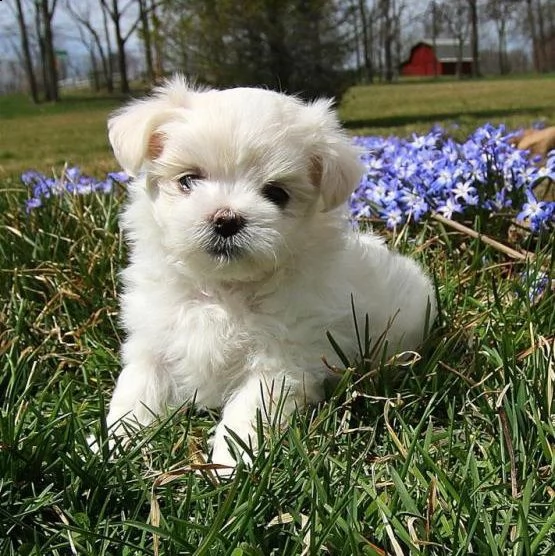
[[209, 343]]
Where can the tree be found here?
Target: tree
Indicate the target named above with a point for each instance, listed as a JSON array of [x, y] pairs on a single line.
[[542, 36], [82, 16], [295, 45], [158, 36], [389, 14], [536, 47], [501, 13], [456, 15], [115, 13], [146, 35], [474, 42], [26, 50], [433, 26], [45, 12]]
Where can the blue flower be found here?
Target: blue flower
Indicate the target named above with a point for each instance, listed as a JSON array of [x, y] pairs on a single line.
[[450, 207], [404, 179], [120, 177], [71, 181], [393, 215], [432, 172]]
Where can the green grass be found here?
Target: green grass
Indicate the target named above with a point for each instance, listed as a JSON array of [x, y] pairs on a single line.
[[452, 454], [46, 136], [402, 108]]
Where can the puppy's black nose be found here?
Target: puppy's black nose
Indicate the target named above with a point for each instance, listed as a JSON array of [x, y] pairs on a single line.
[[227, 223]]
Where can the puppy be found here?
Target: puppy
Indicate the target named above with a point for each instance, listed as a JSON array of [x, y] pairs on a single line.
[[242, 257]]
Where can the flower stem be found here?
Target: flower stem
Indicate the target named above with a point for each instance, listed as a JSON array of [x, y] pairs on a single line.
[[486, 239]]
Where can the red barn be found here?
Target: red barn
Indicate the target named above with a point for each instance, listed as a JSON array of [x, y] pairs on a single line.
[[425, 61]]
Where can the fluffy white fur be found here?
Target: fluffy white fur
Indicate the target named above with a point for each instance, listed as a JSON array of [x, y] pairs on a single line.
[[233, 321]]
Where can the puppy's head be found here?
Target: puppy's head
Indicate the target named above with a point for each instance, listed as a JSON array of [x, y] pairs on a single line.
[[232, 178]]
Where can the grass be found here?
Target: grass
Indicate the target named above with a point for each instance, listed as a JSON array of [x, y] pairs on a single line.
[[451, 454], [400, 109], [45, 136]]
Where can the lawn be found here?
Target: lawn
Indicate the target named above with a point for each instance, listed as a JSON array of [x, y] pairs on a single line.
[[411, 106], [46, 136], [452, 453]]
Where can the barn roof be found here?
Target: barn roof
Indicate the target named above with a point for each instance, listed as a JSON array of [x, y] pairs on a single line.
[[447, 50]]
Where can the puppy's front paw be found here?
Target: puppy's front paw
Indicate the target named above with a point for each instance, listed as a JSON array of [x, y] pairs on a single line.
[[227, 453], [95, 444], [221, 456]]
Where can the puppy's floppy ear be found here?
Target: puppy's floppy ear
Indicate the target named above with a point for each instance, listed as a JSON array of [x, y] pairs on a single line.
[[132, 129], [335, 166]]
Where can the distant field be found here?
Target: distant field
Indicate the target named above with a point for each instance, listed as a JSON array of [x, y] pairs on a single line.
[[74, 131], [415, 106], [46, 136]]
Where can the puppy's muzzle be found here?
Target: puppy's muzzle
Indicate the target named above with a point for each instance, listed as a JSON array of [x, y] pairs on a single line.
[[226, 240], [226, 223]]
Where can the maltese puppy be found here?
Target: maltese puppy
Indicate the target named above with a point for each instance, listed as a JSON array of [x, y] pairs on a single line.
[[242, 257]]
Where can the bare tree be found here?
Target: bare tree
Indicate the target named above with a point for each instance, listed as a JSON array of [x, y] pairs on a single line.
[[158, 36], [456, 15], [147, 36], [83, 17], [542, 42], [531, 16], [435, 29], [115, 13], [26, 51], [501, 13], [109, 51], [45, 12], [474, 41], [366, 29], [389, 14]]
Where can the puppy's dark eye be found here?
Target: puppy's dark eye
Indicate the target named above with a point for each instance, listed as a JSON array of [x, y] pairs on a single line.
[[276, 194], [188, 181]]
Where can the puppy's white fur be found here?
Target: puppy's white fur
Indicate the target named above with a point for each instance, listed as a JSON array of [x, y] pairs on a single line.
[[233, 322]]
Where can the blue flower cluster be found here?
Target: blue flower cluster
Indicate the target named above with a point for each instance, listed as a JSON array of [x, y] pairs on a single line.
[[405, 179], [408, 179], [71, 181]]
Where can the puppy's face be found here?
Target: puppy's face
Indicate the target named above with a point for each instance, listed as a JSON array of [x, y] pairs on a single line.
[[233, 177]]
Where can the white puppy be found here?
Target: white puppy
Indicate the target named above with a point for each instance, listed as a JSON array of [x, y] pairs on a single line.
[[242, 256]]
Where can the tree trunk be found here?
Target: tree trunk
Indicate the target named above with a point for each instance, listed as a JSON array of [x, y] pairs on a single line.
[[115, 16], [358, 55], [143, 10], [368, 73], [95, 71], [52, 92], [541, 38], [533, 35], [387, 40], [157, 42], [42, 50], [474, 38], [502, 32], [120, 43], [435, 33], [27, 59], [109, 66]]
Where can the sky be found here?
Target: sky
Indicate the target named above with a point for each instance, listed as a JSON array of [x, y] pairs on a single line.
[[65, 28]]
